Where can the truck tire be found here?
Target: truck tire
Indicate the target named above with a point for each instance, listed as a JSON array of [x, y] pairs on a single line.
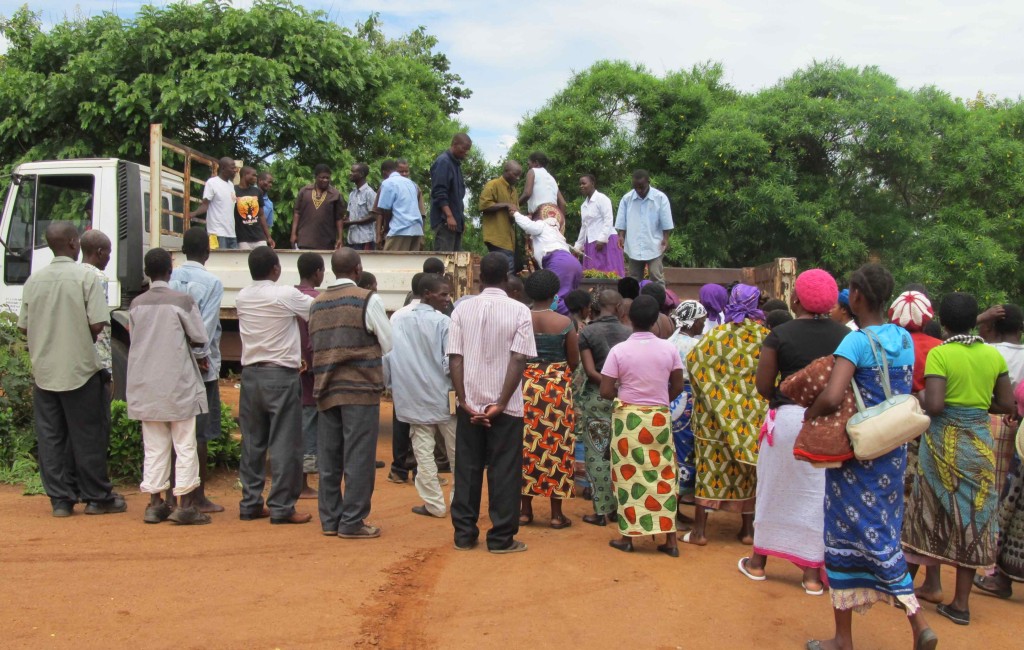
[[119, 368]]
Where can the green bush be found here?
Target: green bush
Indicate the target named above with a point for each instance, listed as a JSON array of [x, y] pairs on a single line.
[[17, 439]]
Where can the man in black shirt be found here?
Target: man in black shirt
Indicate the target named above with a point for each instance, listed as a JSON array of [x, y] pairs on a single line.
[[447, 190], [250, 223]]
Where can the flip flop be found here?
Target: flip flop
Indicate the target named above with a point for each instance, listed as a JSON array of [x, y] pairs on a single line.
[[810, 592], [742, 566], [959, 617], [686, 539], [979, 583], [813, 645]]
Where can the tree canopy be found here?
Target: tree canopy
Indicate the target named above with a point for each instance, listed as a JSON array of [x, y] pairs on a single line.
[[275, 85], [834, 165]]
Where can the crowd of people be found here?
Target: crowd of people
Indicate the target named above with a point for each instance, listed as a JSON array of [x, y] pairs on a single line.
[[674, 403]]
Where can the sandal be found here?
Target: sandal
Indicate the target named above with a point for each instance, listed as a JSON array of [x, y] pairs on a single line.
[[742, 566], [812, 592], [960, 617], [564, 522], [686, 539], [982, 586]]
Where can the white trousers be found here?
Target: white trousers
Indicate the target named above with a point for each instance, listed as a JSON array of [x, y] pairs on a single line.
[[427, 484], [157, 439]]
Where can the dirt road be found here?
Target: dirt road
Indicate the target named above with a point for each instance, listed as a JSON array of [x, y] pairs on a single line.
[[113, 582]]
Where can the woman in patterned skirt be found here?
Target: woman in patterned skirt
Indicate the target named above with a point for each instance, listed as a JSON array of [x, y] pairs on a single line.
[[549, 443], [864, 499], [727, 414], [649, 375], [688, 318], [951, 513]]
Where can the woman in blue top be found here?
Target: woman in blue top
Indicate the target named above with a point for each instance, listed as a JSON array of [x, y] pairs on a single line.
[[864, 499]]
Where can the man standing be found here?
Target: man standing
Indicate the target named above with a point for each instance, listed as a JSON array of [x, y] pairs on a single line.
[[206, 290], [447, 190], [417, 368], [406, 171], [269, 409], [362, 229], [490, 339], [399, 209], [318, 220], [498, 200], [311, 276], [644, 223], [251, 227], [95, 257], [597, 239], [62, 311], [165, 390], [350, 334], [265, 181], [219, 205]]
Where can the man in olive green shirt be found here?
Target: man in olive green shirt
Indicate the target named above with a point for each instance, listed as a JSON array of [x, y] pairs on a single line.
[[63, 309], [498, 200]]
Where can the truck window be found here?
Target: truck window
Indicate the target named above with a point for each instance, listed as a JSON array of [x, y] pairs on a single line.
[[40, 201], [169, 224]]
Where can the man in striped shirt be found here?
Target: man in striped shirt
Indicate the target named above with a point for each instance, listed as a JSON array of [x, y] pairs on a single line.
[[490, 339]]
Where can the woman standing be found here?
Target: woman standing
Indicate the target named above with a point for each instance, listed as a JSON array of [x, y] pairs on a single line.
[[727, 414], [951, 513], [788, 521], [598, 240], [548, 436], [689, 321], [552, 253], [649, 376], [714, 297], [864, 499], [541, 187]]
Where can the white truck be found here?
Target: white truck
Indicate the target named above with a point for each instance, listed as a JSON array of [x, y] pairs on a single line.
[[113, 196]]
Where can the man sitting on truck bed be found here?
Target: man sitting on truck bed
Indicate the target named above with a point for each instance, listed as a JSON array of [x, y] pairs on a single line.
[[219, 205]]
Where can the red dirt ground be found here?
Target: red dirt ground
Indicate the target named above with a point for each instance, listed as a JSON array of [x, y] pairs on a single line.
[[112, 581]]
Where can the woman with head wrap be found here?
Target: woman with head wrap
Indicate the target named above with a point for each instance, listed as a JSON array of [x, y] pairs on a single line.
[[842, 313], [688, 318], [551, 250], [788, 521], [713, 297], [727, 413]]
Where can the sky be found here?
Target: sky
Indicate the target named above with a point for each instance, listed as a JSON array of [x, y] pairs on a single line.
[[515, 55]]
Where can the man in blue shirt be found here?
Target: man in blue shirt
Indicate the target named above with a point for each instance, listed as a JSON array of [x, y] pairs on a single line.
[[265, 181], [399, 209], [447, 191], [644, 222], [207, 290]]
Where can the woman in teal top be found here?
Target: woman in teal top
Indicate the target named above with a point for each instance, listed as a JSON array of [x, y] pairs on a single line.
[[951, 511], [549, 441]]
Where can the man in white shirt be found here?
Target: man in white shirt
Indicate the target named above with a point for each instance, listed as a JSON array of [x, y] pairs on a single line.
[[219, 205], [270, 409], [597, 241]]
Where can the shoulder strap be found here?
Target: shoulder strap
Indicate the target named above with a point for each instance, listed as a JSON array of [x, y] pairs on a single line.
[[884, 363]]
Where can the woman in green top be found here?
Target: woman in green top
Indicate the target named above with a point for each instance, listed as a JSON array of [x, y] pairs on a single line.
[[951, 513]]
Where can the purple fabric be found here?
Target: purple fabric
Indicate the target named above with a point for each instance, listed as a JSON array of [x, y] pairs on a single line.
[[743, 304], [610, 259], [714, 297], [569, 272]]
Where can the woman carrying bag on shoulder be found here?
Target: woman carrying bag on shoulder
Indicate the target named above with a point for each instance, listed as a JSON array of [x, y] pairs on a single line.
[[864, 498]]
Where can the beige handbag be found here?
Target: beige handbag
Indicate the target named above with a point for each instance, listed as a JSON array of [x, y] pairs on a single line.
[[1020, 441], [896, 420]]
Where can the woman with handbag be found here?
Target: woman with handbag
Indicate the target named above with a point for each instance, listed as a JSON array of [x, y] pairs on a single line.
[[951, 513], [864, 499], [788, 522]]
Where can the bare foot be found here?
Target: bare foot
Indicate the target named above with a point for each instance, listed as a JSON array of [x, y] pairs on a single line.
[[929, 596], [745, 539], [690, 538], [208, 506], [308, 493]]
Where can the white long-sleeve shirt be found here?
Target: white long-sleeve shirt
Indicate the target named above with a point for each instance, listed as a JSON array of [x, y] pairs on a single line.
[[544, 237], [597, 221]]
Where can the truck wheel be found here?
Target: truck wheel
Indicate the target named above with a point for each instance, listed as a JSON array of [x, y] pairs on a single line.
[[119, 367]]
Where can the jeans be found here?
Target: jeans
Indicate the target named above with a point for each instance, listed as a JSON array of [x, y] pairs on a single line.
[[228, 243], [511, 255], [447, 240]]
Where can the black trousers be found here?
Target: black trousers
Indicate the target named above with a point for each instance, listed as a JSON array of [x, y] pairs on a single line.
[[73, 432], [500, 449]]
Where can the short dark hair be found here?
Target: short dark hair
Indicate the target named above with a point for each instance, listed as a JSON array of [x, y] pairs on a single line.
[[362, 168], [262, 261], [875, 283], [320, 169], [416, 283], [387, 167], [542, 285], [628, 287], [260, 176], [641, 175], [366, 280], [643, 313], [195, 242], [593, 179], [1012, 322], [540, 158], [656, 291], [309, 264], [493, 269], [577, 300], [157, 262], [777, 317], [431, 282], [958, 312], [774, 304], [433, 265]]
